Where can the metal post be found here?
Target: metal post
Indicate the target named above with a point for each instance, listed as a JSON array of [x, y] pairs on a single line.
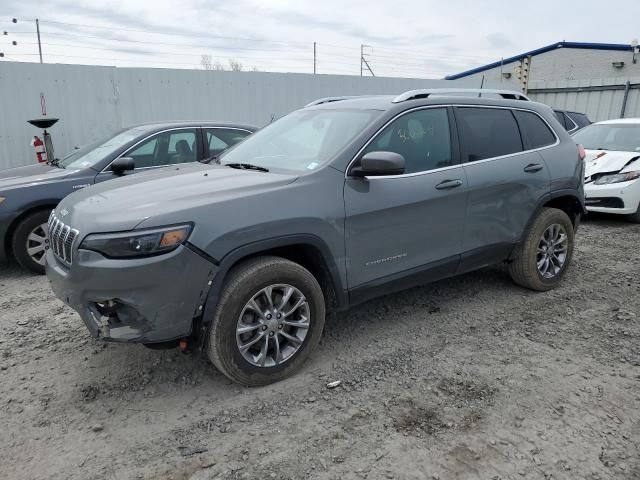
[[39, 44], [627, 86], [314, 58], [361, 57]]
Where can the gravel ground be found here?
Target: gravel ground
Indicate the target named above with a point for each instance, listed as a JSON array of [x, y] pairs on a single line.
[[471, 377]]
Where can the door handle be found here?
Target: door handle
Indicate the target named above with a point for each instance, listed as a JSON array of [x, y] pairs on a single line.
[[533, 167], [447, 184]]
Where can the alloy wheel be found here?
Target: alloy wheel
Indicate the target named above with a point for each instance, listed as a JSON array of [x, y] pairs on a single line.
[[273, 325], [38, 243], [552, 251]]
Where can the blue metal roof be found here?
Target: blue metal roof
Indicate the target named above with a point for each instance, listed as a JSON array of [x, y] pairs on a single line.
[[538, 51]]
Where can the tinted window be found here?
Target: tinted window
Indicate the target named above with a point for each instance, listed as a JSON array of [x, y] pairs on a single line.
[[487, 133], [568, 121], [535, 133], [167, 148], [561, 118], [219, 139], [579, 119], [421, 137]]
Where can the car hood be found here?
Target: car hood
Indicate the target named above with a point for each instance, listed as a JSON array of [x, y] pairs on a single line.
[[122, 204], [606, 161], [31, 175]]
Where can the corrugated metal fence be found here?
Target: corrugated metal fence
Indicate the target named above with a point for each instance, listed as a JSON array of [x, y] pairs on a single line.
[[599, 99], [93, 101]]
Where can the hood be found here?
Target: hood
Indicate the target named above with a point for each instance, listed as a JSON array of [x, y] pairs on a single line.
[[124, 203], [606, 161], [31, 175]]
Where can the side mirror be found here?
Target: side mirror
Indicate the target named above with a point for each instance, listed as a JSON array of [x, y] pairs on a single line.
[[123, 164], [380, 163]]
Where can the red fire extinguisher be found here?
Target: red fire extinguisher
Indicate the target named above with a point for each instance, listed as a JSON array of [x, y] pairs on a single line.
[[41, 154]]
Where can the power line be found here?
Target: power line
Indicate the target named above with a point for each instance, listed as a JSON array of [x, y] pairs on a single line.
[[191, 35]]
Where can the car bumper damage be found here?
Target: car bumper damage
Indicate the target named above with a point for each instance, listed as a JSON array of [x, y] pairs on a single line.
[[622, 198], [146, 300]]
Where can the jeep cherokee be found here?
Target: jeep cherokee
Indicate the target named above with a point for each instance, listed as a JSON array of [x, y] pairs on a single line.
[[338, 202]]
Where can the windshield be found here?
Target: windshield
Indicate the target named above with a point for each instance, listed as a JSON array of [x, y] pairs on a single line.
[[303, 140], [91, 154], [624, 137]]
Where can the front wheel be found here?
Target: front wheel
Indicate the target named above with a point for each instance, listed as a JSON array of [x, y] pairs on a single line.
[[635, 217], [31, 241], [543, 256], [268, 320]]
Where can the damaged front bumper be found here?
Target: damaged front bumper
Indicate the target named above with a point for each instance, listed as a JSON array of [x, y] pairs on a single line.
[[622, 198], [142, 300]]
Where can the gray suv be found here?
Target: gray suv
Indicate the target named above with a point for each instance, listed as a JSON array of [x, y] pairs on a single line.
[[336, 203]]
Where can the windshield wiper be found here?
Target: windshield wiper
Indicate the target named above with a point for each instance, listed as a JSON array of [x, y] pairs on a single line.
[[56, 163], [211, 159], [247, 166]]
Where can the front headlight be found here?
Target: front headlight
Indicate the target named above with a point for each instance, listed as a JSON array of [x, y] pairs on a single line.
[[617, 178], [140, 243], [2, 199]]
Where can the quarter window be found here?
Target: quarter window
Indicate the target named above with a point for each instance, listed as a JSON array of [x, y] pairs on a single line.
[[535, 133], [421, 137], [487, 133]]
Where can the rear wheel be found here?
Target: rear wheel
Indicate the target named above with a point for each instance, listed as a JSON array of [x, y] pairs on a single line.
[[543, 256], [31, 241], [268, 320]]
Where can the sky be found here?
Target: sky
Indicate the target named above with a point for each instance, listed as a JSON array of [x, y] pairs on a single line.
[[411, 38]]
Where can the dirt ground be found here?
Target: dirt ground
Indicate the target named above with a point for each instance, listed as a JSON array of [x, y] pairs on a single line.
[[469, 378]]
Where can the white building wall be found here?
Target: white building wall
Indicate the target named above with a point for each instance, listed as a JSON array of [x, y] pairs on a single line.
[[569, 64], [93, 101]]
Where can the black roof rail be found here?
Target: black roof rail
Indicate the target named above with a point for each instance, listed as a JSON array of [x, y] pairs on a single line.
[[426, 93]]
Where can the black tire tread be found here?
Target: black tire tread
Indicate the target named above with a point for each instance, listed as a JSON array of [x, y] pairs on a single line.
[[19, 238], [523, 268], [247, 272]]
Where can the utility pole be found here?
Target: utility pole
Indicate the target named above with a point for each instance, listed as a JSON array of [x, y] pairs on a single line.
[[364, 63], [39, 44], [314, 58]]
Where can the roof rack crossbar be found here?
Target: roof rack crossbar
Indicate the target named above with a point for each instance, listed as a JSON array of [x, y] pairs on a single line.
[[425, 93]]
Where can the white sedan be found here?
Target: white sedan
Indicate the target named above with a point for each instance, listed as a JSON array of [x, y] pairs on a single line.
[[612, 166]]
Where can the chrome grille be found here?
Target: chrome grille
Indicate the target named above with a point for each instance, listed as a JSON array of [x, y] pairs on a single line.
[[61, 238]]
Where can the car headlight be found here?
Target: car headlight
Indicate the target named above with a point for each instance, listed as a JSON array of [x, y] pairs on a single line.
[[617, 178], [2, 199], [140, 243]]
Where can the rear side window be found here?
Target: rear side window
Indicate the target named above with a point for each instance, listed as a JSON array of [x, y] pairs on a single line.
[[561, 118], [535, 133], [487, 133]]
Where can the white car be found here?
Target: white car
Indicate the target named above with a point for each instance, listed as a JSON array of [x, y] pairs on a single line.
[[612, 166]]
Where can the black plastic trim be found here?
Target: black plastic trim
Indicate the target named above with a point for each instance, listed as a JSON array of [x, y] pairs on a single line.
[[413, 277], [251, 249]]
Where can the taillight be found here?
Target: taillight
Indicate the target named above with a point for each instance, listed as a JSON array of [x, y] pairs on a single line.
[[581, 152]]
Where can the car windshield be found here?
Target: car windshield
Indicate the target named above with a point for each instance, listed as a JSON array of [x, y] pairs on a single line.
[[91, 154], [302, 141], [624, 137]]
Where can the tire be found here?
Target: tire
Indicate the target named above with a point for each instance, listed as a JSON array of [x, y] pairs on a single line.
[[634, 217], [27, 235], [524, 268], [252, 280]]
